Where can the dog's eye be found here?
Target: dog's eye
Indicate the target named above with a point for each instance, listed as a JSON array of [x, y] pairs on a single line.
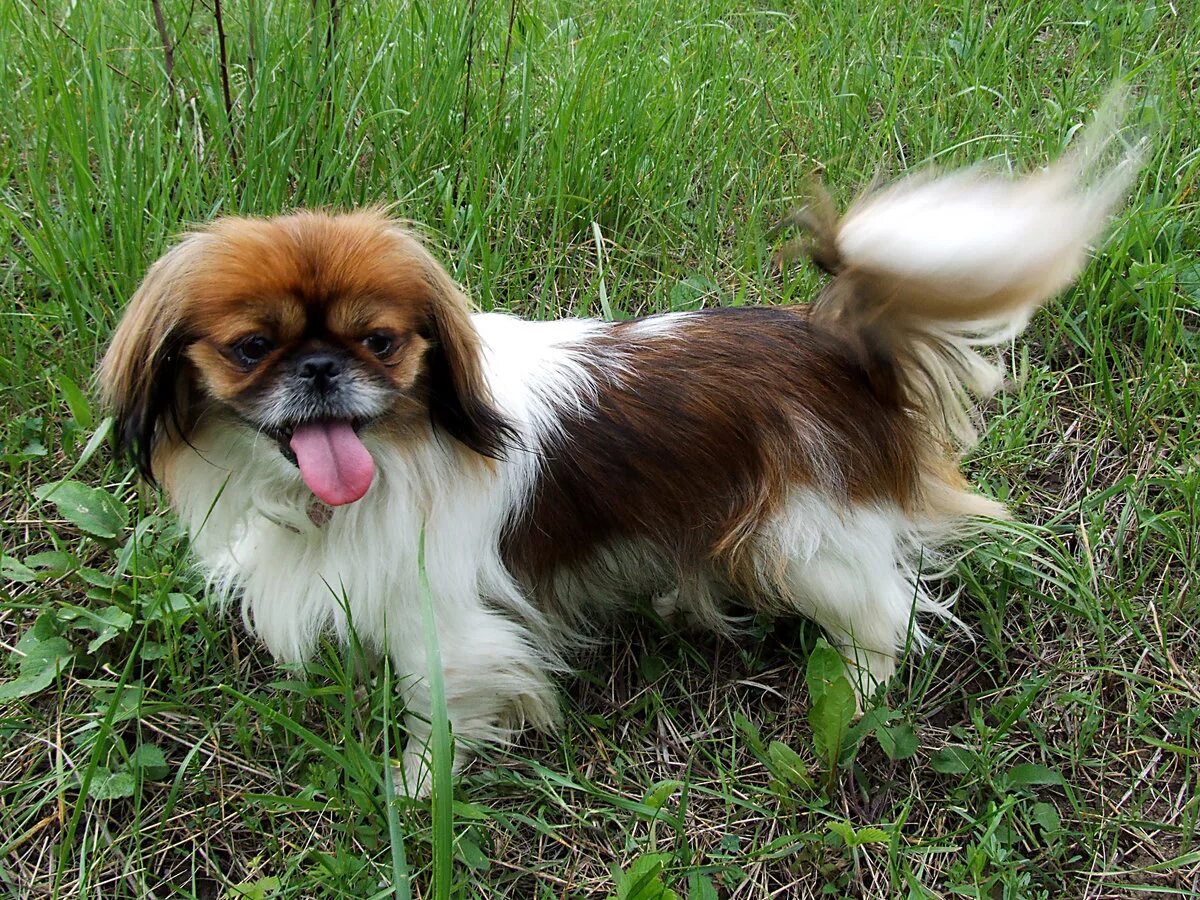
[[253, 349], [379, 342]]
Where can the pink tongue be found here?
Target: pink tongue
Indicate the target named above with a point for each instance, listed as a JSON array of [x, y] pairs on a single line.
[[333, 461]]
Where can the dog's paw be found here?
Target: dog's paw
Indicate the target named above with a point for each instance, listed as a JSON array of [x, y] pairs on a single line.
[[413, 777]]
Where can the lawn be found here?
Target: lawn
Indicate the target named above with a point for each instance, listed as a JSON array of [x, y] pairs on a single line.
[[605, 158]]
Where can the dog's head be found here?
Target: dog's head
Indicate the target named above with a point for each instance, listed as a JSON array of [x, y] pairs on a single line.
[[308, 328]]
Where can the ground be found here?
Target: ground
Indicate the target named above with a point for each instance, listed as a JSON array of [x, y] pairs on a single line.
[[608, 158]]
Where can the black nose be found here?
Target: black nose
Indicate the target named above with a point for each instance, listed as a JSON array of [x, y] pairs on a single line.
[[319, 369]]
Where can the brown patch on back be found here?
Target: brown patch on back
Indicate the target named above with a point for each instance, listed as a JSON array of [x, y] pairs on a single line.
[[698, 435]]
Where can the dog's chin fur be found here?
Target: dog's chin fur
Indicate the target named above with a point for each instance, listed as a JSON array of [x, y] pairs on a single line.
[[794, 461]]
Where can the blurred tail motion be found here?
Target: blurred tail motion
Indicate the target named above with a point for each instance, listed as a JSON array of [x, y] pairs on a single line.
[[937, 266]]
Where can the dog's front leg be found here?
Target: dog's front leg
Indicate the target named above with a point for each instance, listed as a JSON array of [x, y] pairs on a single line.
[[494, 682]]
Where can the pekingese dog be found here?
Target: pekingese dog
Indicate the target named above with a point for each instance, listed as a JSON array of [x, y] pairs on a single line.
[[314, 393]]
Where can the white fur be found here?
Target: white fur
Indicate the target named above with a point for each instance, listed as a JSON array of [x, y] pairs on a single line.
[[661, 325], [990, 247], [284, 405], [857, 572]]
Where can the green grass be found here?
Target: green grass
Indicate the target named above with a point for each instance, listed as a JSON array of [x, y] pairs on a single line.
[[570, 156]]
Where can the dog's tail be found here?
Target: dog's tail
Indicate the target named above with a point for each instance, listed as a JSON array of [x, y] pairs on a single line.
[[930, 271]]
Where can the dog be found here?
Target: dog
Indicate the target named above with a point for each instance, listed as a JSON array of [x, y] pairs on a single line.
[[329, 418]]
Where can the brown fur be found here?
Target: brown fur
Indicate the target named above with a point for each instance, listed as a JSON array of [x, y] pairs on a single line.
[[699, 434]]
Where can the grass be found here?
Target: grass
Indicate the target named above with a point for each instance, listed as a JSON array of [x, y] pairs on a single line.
[[572, 157]]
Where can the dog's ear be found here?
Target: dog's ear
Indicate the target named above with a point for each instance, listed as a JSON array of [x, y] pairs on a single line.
[[143, 376], [459, 398]]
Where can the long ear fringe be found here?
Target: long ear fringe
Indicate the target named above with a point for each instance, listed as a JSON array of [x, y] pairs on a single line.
[[460, 400], [140, 376]]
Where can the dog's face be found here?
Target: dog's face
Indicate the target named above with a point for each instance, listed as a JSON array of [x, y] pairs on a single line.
[[307, 328]]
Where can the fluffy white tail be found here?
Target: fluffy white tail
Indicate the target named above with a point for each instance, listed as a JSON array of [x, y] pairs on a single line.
[[934, 268]]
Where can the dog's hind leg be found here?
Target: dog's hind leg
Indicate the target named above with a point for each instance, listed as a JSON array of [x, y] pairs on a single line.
[[845, 568]]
